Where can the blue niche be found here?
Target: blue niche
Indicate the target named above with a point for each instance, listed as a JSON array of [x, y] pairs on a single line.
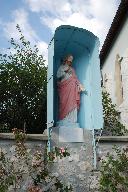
[[84, 46]]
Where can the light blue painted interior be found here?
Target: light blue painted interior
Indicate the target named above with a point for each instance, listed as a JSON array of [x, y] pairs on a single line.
[[83, 45]]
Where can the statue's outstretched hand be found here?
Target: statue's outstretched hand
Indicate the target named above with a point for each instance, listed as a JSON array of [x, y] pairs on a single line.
[[82, 87]]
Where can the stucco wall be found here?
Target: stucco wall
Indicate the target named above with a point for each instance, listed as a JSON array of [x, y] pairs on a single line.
[[120, 46]]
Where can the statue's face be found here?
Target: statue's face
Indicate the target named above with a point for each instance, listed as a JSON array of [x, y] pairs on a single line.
[[69, 60]]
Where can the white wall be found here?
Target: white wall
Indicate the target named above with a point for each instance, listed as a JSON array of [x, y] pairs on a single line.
[[120, 47]]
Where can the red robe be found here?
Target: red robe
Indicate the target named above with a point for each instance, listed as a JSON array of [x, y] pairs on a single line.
[[69, 95]]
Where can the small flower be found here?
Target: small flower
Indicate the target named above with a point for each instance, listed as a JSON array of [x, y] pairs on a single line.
[[62, 150]]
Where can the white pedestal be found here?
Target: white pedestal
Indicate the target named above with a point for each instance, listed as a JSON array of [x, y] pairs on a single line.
[[67, 134]]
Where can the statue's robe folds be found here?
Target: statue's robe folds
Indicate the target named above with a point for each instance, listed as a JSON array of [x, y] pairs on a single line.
[[69, 95]]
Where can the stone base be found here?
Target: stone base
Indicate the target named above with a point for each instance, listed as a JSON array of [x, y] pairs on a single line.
[[77, 168]]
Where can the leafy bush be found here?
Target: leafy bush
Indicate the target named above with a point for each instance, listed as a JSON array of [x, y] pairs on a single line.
[[114, 172], [112, 124]]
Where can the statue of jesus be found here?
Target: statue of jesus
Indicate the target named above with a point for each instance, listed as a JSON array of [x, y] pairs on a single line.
[[69, 89]]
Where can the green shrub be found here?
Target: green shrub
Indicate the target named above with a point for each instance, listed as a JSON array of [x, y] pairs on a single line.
[[112, 124], [114, 172]]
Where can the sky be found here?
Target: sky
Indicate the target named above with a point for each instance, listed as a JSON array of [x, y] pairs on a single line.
[[38, 19]]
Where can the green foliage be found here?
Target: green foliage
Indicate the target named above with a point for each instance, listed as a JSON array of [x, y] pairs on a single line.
[[114, 172], [23, 87], [112, 124]]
